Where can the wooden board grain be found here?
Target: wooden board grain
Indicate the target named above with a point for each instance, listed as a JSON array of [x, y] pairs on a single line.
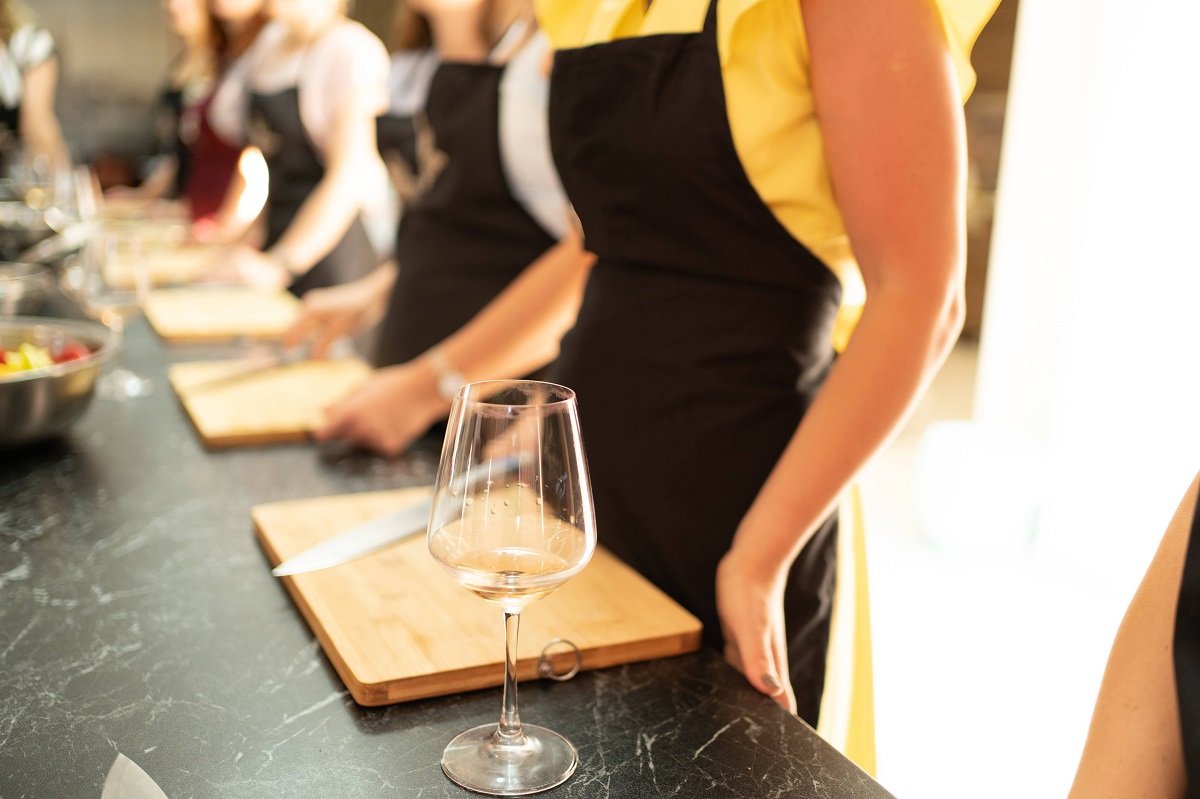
[[164, 265], [277, 405], [396, 627], [219, 312]]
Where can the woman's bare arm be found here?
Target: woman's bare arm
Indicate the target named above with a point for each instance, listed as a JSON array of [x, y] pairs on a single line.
[[39, 126], [890, 112], [514, 334], [1134, 746], [327, 212]]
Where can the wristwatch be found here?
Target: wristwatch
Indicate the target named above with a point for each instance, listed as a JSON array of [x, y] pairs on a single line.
[[449, 379]]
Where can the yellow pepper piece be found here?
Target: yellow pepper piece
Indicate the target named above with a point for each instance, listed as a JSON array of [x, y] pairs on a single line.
[[36, 357]]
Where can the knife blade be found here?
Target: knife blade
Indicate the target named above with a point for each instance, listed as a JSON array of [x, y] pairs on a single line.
[[254, 364], [391, 528], [362, 539], [126, 780]]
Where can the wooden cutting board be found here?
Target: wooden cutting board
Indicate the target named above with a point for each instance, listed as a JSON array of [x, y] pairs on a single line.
[[396, 627], [165, 265], [273, 406], [215, 313], [140, 210]]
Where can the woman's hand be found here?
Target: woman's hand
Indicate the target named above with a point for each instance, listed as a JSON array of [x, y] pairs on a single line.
[[750, 604], [328, 314], [243, 264], [395, 406], [331, 313]]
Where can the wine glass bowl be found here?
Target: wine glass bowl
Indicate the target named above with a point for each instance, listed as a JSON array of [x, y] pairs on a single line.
[[512, 520], [110, 285]]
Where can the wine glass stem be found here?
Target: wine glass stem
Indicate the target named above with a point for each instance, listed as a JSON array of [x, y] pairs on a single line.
[[510, 720]]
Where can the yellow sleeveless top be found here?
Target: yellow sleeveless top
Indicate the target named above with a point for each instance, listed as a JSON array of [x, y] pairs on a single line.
[[764, 63]]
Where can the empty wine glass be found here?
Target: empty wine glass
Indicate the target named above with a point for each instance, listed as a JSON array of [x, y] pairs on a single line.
[[114, 280], [512, 520]]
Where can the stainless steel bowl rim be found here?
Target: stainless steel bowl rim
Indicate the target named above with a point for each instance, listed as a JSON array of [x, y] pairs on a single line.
[[20, 271], [87, 330], [24, 277]]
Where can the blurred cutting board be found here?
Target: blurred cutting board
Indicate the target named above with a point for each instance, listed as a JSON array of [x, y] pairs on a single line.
[[165, 265], [143, 210], [396, 627], [272, 406], [211, 313]]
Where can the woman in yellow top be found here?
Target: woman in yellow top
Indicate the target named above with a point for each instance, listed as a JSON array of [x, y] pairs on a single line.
[[732, 162]]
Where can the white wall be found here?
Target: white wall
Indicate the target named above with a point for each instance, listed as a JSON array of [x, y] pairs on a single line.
[[114, 56], [1091, 328]]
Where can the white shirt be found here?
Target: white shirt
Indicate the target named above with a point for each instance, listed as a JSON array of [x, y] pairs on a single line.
[[408, 80], [524, 129], [28, 47], [346, 55]]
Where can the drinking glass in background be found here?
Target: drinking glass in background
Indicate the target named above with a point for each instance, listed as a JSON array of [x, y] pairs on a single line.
[[111, 282], [36, 200], [512, 520]]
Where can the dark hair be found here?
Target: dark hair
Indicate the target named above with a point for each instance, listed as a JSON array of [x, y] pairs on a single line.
[[410, 29], [229, 47], [8, 22]]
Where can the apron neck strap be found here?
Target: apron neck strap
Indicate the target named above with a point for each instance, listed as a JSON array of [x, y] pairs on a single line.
[[710, 18]]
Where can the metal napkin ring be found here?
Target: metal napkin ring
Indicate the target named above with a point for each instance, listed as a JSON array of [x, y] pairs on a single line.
[[546, 668]]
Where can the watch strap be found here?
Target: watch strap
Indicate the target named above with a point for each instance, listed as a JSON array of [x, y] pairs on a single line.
[[449, 379]]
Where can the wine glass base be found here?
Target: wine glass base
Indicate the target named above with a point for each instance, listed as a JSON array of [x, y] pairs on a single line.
[[482, 761], [122, 384]]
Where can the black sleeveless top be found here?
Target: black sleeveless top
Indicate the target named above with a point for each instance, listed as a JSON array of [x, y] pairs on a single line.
[[1187, 658]]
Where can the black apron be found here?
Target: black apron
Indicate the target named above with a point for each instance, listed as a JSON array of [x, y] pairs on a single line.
[[396, 137], [10, 123], [1187, 659], [10, 135], [167, 130], [294, 168], [704, 332], [463, 239]]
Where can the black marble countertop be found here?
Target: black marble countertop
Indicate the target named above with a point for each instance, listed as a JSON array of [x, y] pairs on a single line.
[[138, 615]]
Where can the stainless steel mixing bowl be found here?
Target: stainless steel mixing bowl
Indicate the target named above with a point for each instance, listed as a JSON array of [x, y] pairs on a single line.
[[44, 402]]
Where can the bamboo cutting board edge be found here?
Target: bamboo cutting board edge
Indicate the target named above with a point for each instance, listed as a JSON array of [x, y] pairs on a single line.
[[231, 439], [370, 692], [163, 302], [216, 337]]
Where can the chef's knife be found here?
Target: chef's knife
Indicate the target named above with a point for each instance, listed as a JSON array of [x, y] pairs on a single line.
[[126, 780], [254, 364], [362, 539], [383, 531]]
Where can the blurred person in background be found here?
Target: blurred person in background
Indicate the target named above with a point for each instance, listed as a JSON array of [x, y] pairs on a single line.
[[29, 128], [306, 95], [486, 232], [216, 174], [190, 78], [414, 59]]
